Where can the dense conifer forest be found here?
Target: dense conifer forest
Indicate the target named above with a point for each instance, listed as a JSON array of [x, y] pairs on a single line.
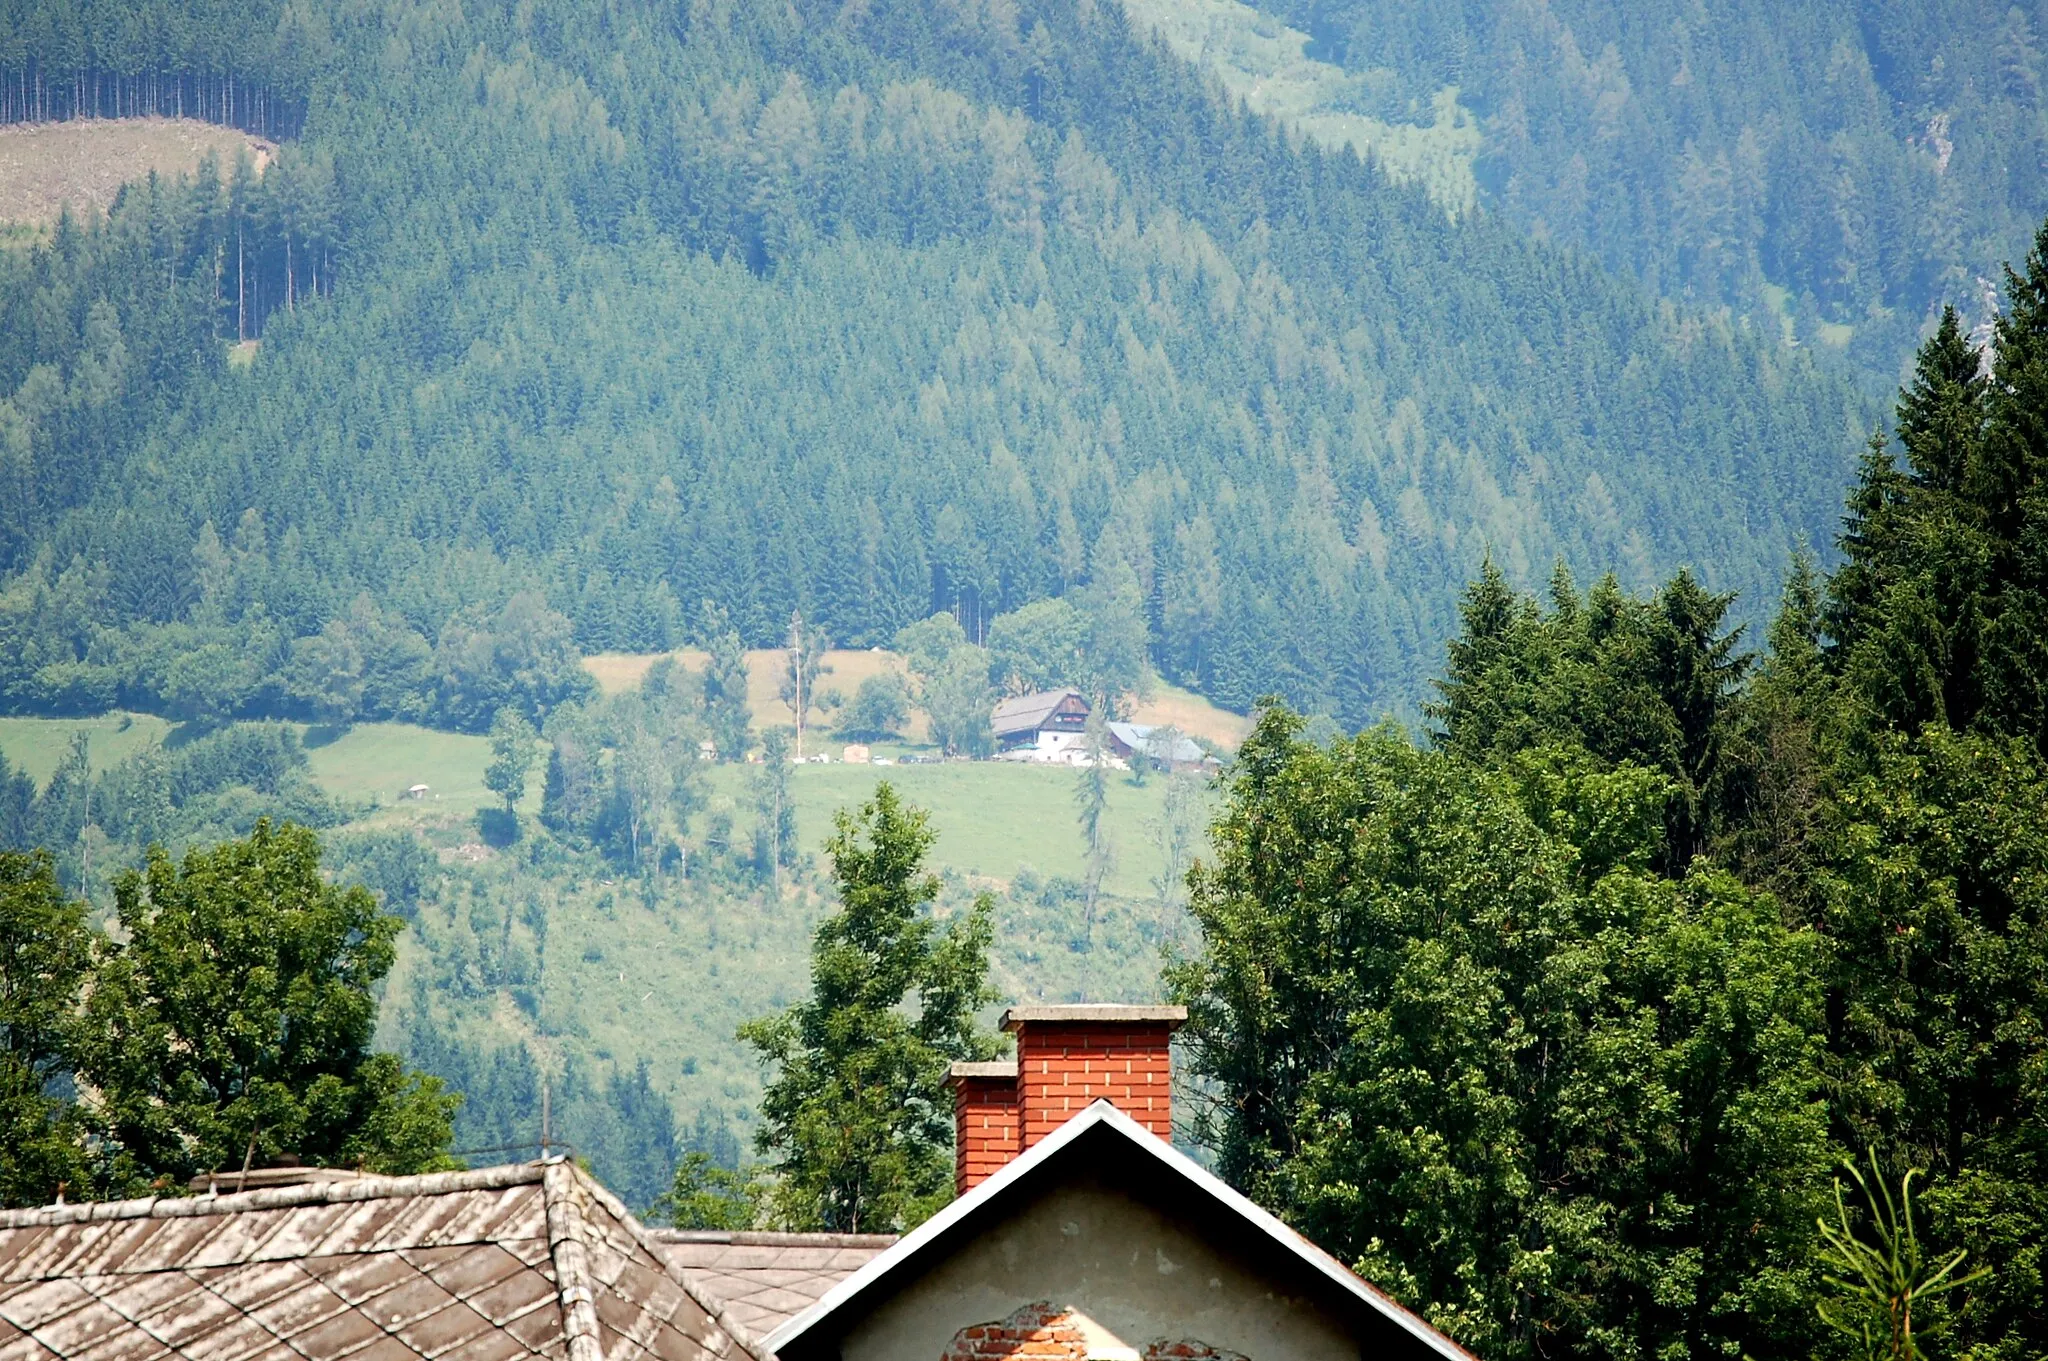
[[1704, 852], [869, 312], [1841, 169]]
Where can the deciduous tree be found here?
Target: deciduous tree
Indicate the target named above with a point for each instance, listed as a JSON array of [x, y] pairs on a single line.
[[855, 1111]]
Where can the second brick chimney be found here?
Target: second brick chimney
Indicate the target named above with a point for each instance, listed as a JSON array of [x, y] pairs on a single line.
[[1068, 1057]]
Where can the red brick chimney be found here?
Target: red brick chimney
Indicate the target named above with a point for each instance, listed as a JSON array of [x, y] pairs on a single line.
[[1068, 1057]]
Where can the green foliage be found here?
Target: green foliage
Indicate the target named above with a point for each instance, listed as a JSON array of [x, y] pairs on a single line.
[[856, 1112], [1091, 802], [880, 708], [726, 714], [45, 957], [1933, 886], [707, 1196], [234, 1019], [1245, 404], [1816, 166], [775, 845], [1464, 1035], [1653, 682], [1037, 647], [952, 682], [1879, 1282], [512, 756]]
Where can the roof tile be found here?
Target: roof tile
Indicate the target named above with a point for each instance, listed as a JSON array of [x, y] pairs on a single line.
[[360, 1276], [235, 1335], [444, 1330], [30, 1306], [513, 1296], [137, 1297], [463, 1271], [173, 1243], [296, 1311], [537, 1328], [182, 1318], [127, 1345], [409, 1302], [385, 1349], [14, 1242], [365, 1226], [79, 1328], [247, 1287], [454, 1266], [490, 1346], [338, 1336]]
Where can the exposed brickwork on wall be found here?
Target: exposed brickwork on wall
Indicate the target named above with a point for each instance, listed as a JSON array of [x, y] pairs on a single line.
[[1061, 1069], [985, 1130], [1039, 1331], [1042, 1331]]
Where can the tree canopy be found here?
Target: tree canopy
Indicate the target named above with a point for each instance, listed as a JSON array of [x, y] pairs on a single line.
[[855, 1111]]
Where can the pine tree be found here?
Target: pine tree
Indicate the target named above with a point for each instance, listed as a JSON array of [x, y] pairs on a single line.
[[726, 711]]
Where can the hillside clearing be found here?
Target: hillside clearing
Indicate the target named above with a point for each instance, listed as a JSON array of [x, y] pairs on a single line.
[[47, 167], [39, 745], [844, 670], [1263, 62], [993, 818]]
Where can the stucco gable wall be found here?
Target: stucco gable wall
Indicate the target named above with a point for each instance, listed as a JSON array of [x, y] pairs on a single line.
[[1135, 1276]]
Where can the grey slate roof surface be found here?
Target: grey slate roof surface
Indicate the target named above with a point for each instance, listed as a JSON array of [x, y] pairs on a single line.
[[498, 1264], [1149, 739], [762, 1280]]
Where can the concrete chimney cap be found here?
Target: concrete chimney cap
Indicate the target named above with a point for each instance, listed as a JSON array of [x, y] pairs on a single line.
[[999, 1071], [1094, 1013]]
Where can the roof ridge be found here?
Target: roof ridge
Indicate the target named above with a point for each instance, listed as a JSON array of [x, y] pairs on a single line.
[[276, 1197], [572, 1262], [769, 1238], [562, 1190]]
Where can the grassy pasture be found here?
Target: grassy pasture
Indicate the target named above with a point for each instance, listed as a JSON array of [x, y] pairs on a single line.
[[38, 745], [992, 817], [842, 673]]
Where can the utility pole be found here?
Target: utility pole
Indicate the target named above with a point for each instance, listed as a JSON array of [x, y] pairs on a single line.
[[85, 828], [796, 666]]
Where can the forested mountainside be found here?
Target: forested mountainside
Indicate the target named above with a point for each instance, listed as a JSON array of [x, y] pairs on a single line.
[[1845, 165], [870, 310]]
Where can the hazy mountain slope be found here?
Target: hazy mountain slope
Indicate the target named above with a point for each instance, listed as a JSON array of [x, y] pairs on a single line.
[[1843, 165], [878, 310]]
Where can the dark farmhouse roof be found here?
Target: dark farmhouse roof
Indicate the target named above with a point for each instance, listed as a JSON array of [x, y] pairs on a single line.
[[1104, 1142], [488, 1265], [761, 1281], [1029, 713]]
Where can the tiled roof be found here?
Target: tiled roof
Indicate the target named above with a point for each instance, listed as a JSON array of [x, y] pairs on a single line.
[[495, 1264], [1027, 713], [760, 1281], [1151, 740]]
